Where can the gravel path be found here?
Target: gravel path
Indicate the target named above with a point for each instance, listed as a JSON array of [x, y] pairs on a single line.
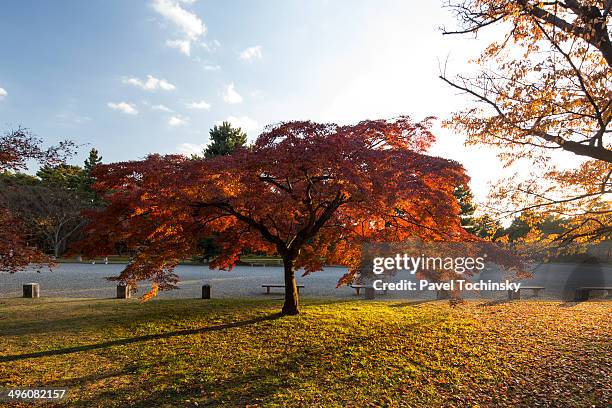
[[86, 280]]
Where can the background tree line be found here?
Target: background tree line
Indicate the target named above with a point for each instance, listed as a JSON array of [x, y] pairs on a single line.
[[529, 231], [50, 204]]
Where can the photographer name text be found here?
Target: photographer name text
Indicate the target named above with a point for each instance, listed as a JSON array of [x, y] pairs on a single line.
[[458, 284]]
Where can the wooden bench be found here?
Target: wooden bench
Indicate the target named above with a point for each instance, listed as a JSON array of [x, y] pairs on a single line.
[[537, 290], [264, 264], [582, 293], [358, 288], [269, 286]]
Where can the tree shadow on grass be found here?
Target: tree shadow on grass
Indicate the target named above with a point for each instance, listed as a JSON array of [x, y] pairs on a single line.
[[112, 313], [255, 386], [131, 340], [252, 388], [108, 315], [79, 381], [78, 324]]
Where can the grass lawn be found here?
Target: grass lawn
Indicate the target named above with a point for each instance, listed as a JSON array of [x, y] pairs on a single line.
[[352, 353]]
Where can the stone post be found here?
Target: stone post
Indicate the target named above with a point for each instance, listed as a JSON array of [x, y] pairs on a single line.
[[442, 294], [31, 290], [512, 295], [370, 293], [205, 291], [123, 291]]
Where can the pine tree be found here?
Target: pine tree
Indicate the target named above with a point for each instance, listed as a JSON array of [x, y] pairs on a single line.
[[482, 226], [63, 176], [92, 161], [466, 203], [224, 140]]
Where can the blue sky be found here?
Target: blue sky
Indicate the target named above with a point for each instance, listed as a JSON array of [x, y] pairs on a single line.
[[142, 76]]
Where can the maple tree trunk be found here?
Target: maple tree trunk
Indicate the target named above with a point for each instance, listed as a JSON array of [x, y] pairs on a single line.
[[290, 307]]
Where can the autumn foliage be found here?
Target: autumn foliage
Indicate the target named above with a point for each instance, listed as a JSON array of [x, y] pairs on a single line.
[[17, 147], [543, 87], [15, 253], [307, 191]]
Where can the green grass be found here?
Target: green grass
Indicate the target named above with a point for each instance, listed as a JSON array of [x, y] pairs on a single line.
[[353, 353]]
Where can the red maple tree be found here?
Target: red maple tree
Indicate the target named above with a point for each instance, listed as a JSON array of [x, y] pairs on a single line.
[[312, 193]]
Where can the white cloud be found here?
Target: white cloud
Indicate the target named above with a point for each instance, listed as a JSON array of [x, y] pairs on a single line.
[[177, 121], [183, 46], [251, 53], [231, 96], [3, 93], [162, 108], [124, 107], [211, 46], [188, 23], [248, 125], [69, 118], [257, 94], [151, 83], [210, 67], [202, 105], [190, 148]]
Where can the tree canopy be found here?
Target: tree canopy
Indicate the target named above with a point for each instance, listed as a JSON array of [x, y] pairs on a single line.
[[544, 87], [224, 140], [17, 147], [311, 192], [20, 145], [63, 175], [92, 161]]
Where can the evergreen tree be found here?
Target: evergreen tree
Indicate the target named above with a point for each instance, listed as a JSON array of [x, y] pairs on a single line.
[[527, 221], [64, 176], [483, 226], [92, 161], [487, 227], [224, 139], [466, 203]]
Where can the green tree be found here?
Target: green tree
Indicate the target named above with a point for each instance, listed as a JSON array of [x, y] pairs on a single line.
[[486, 226], [483, 226], [92, 161], [465, 198], [528, 221], [8, 178], [224, 140], [63, 175]]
